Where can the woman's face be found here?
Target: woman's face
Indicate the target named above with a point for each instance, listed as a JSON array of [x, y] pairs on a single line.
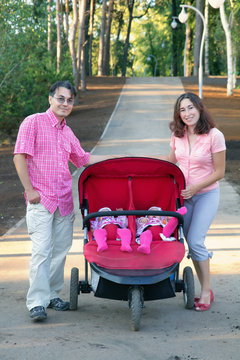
[[188, 113]]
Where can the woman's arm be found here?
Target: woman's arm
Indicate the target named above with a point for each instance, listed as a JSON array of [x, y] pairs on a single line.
[[22, 170], [218, 173]]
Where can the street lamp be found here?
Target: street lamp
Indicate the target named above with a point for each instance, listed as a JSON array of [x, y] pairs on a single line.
[[216, 3], [183, 16], [154, 57], [174, 22]]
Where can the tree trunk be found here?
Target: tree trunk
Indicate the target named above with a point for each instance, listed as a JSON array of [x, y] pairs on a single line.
[[174, 42], [72, 49], [188, 63], [81, 44], [206, 62], [227, 30], [198, 37], [108, 34], [58, 35], [92, 11], [130, 18], [49, 26], [101, 40], [67, 18]]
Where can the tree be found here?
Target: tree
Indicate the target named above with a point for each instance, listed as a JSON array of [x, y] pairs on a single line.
[[81, 68], [92, 11], [72, 40], [59, 47], [130, 5], [101, 40], [67, 17], [198, 36], [206, 62], [49, 26], [106, 55], [227, 30]]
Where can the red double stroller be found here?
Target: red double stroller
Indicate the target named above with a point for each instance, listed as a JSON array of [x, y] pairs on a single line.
[[133, 184]]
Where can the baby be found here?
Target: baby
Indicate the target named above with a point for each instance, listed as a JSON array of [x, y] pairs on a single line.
[[110, 227], [152, 227]]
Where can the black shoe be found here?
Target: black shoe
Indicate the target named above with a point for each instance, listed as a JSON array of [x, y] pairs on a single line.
[[38, 313], [59, 305]]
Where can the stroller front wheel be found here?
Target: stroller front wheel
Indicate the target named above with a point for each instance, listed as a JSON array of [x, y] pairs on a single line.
[[74, 288], [189, 290], [135, 303]]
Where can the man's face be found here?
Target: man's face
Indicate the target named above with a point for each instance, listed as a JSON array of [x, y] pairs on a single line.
[[61, 110]]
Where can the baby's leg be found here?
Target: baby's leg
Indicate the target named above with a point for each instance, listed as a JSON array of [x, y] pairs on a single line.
[[100, 236], [145, 242], [125, 236], [172, 224]]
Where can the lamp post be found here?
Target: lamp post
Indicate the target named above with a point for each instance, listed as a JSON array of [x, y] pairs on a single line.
[[219, 4], [183, 18], [154, 57]]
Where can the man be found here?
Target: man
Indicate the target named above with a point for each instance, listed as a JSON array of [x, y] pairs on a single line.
[[43, 148]]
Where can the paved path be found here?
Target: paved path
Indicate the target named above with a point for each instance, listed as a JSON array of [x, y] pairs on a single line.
[[100, 328]]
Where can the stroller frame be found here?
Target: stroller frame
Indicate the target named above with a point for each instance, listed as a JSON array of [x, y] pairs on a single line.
[[134, 285]]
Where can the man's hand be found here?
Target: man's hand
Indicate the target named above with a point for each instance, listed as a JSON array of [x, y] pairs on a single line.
[[33, 197]]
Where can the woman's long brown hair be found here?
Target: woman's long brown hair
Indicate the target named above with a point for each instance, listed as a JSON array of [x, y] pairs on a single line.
[[204, 124]]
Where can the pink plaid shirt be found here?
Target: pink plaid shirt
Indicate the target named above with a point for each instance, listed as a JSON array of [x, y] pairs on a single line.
[[49, 148]]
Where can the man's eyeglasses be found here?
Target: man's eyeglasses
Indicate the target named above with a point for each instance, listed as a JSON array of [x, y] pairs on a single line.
[[62, 100]]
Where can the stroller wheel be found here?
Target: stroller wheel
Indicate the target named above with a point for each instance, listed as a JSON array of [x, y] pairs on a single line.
[[74, 289], [189, 291], [135, 306]]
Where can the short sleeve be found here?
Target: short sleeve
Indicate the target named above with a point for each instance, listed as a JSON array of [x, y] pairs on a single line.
[[172, 142], [218, 141], [78, 156], [26, 136]]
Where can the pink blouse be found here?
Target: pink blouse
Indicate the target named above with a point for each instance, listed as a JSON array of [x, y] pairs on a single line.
[[197, 165]]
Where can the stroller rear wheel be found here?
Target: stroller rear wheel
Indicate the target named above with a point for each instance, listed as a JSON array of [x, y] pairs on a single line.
[[188, 291], [135, 304], [74, 288]]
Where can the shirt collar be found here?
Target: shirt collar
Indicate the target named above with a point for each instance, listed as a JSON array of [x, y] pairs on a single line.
[[54, 120]]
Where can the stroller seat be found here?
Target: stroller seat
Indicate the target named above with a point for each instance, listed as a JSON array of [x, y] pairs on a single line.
[[163, 254], [132, 184]]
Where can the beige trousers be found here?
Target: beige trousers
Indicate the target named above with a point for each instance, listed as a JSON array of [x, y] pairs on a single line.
[[51, 236]]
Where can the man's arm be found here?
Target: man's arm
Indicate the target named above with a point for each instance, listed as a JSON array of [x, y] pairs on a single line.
[[97, 158], [22, 170]]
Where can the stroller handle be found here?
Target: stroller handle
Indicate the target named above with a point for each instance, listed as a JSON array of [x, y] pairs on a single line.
[[132, 212]]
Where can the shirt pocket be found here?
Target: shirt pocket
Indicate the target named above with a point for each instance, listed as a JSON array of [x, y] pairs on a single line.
[[202, 149], [65, 150]]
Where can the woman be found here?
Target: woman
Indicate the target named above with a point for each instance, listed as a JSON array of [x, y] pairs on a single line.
[[199, 149]]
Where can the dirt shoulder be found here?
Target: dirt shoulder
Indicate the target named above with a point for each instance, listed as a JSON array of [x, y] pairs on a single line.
[[89, 119]]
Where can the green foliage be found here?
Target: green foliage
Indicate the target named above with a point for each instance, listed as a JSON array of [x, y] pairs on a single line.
[[26, 68], [153, 36]]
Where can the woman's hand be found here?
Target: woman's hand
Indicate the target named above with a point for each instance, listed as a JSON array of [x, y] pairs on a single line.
[[189, 192]]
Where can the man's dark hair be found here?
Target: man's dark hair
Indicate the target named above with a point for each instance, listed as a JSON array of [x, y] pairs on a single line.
[[64, 83]]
